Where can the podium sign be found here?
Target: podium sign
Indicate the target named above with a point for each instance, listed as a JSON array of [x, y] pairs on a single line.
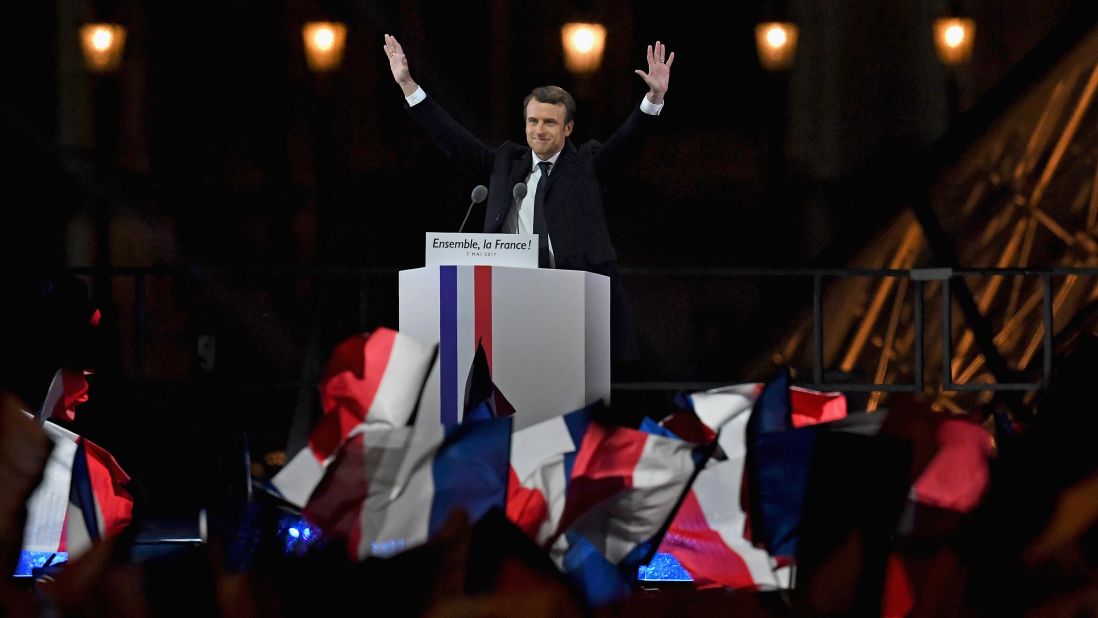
[[546, 334], [447, 249]]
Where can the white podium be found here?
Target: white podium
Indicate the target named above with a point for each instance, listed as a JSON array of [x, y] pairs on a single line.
[[546, 334]]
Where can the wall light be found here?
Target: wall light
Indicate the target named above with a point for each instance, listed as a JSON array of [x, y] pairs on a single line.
[[102, 44], [324, 42], [583, 46], [953, 38], [776, 42]]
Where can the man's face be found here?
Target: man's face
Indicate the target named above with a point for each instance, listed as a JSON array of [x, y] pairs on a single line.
[[545, 128]]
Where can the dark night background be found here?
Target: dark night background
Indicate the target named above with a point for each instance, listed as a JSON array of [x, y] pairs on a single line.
[[215, 155]]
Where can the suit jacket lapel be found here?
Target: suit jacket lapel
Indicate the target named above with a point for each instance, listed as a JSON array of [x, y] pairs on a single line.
[[499, 199], [520, 169], [567, 157]]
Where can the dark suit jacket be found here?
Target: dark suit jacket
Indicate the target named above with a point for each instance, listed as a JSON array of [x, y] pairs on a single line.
[[573, 199]]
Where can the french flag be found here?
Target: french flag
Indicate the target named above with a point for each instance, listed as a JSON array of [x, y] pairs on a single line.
[[373, 378], [390, 489], [539, 475], [707, 535], [780, 444], [81, 500], [598, 497], [100, 506]]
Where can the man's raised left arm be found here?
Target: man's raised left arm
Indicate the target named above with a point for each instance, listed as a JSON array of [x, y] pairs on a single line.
[[657, 78]]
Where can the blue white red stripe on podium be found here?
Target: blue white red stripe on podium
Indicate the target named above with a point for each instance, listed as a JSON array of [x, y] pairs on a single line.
[[462, 289]]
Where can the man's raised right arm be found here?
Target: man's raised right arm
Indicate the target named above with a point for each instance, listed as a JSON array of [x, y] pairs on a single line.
[[398, 64], [460, 146]]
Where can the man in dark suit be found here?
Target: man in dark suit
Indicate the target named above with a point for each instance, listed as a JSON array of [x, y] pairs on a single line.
[[564, 182]]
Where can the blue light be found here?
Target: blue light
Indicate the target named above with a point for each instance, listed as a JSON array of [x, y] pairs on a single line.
[[31, 560], [384, 549], [297, 535], [663, 568]]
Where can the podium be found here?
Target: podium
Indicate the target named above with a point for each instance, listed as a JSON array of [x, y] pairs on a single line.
[[546, 334]]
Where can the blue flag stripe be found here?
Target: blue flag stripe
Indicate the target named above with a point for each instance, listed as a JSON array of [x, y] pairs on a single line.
[[80, 492], [470, 470], [448, 349]]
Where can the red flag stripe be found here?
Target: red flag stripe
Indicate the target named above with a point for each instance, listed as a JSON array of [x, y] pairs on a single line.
[[702, 551], [808, 407], [336, 504], [604, 467], [108, 481], [349, 387], [482, 306], [527, 507]]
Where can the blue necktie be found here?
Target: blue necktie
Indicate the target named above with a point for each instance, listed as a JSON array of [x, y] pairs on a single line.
[[540, 227]]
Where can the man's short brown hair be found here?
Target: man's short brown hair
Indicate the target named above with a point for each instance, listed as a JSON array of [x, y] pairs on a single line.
[[554, 95]]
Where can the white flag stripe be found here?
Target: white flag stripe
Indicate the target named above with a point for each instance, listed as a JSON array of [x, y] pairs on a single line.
[[552, 483], [53, 395], [718, 486], [46, 507], [299, 477], [539, 443], [716, 489], [401, 483], [405, 370], [77, 540], [409, 362], [465, 333], [659, 479], [720, 405]]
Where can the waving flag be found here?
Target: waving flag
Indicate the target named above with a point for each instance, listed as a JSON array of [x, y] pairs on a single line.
[[958, 475], [100, 506], [82, 497], [707, 534], [538, 478], [371, 378], [597, 497], [47, 506], [389, 489], [780, 446]]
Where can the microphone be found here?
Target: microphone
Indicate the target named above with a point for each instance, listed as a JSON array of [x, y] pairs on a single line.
[[479, 193], [519, 192]]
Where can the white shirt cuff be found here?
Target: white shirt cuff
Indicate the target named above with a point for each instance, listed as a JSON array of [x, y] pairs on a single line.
[[419, 95], [647, 106]]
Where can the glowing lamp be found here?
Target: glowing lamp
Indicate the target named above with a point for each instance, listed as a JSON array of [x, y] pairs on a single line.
[[102, 44], [324, 41], [583, 46], [776, 43]]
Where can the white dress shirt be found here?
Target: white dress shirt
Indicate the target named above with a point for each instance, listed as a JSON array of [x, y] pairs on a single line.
[[520, 219]]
